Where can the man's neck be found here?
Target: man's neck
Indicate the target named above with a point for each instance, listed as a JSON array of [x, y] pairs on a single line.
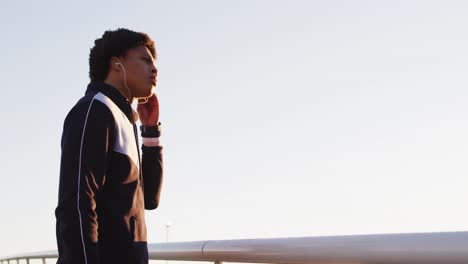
[[120, 87]]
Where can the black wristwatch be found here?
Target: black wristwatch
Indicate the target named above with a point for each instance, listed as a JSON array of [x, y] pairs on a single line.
[[151, 131]]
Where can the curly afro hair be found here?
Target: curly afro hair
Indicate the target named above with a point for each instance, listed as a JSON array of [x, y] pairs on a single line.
[[114, 44]]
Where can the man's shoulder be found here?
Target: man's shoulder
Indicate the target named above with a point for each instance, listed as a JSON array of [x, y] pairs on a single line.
[[88, 106]]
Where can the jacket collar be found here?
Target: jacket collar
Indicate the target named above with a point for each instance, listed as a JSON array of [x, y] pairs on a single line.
[[114, 95]]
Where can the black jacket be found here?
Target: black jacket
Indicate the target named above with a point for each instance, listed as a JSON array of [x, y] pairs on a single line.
[[104, 187]]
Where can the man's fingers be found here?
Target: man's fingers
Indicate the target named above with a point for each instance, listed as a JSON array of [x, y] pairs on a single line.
[[151, 99]]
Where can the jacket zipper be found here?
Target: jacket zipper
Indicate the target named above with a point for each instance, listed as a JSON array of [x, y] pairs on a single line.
[[135, 134]]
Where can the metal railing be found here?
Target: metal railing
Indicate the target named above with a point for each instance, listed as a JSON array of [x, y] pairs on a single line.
[[416, 248]]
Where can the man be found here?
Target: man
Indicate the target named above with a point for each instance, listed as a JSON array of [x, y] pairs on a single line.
[[104, 186]]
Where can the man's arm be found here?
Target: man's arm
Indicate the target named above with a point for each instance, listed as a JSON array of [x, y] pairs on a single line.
[[152, 162], [86, 138], [152, 168]]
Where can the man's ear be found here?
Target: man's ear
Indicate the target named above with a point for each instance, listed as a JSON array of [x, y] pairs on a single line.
[[115, 64]]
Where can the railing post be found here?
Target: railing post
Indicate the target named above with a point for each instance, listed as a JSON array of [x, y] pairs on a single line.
[[27, 261], [218, 262], [44, 261]]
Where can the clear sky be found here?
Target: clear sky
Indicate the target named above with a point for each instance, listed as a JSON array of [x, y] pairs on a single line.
[[281, 118]]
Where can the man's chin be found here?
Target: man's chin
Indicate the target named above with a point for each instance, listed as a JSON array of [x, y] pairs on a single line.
[[149, 94], [145, 94]]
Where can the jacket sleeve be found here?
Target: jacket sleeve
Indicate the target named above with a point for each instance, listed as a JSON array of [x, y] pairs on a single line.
[[86, 138], [152, 168]]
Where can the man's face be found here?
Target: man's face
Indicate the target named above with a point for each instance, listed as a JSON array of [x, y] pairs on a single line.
[[141, 71]]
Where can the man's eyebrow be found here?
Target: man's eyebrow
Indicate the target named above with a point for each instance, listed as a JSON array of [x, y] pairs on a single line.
[[148, 57]]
